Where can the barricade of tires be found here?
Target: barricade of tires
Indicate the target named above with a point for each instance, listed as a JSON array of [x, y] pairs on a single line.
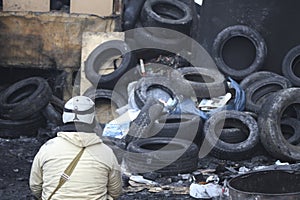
[[241, 134], [232, 132], [26, 106]]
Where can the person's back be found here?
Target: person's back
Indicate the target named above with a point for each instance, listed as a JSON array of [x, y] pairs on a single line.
[[96, 176]]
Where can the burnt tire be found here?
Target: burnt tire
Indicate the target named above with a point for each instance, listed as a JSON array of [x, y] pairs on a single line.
[[290, 64], [231, 151], [150, 39], [258, 92], [21, 95], [57, 103], [169, 14], [168, 156], [239, 31], [269, 121], [257, 76], [52, 115], [141, 126], [34, 101], [21, 128], [104, 53], [187, 127], [131, 13], [206, 82]]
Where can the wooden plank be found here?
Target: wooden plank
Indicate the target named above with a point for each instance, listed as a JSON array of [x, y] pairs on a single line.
[[96, 7]]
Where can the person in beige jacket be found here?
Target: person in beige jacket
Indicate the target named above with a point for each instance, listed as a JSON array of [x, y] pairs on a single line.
[[97, 174]]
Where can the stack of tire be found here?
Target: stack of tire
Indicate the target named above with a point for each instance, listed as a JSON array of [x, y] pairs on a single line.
[[165, 152], [274, 98], [168, 143], [261, 88], [161, 27], [26, 106], [270, 118], [240, 134]]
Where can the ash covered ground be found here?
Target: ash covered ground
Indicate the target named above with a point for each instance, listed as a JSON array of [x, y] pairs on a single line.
[[17, 155]]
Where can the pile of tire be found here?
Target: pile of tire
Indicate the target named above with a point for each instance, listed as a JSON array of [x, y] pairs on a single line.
[[234, 134], [269, 122], [159, 27], [279, 124], [272, 98], [155, 128], [26, 106], [231, 133], [277, 120]]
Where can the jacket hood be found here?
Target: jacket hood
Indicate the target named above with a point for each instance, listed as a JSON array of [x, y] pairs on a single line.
[[80, 139]]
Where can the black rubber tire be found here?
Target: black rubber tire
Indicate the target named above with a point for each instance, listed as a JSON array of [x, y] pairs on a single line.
[[186, 127], [18, 128], [206, 83], [269, 121], [179, 156], [178, 16], [257, 76], [29, 105], [115, 97], [289, 63], [231, 151], [52, 115], [131, 13], [175, 86], [292, 127], [21, 95], [144, 39], [239, 31], [57, 103], [100, 55], [141, 126], [258, 92]]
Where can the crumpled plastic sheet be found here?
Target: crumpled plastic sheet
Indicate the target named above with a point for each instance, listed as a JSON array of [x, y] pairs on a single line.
[[187, 106], [206, 191]]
